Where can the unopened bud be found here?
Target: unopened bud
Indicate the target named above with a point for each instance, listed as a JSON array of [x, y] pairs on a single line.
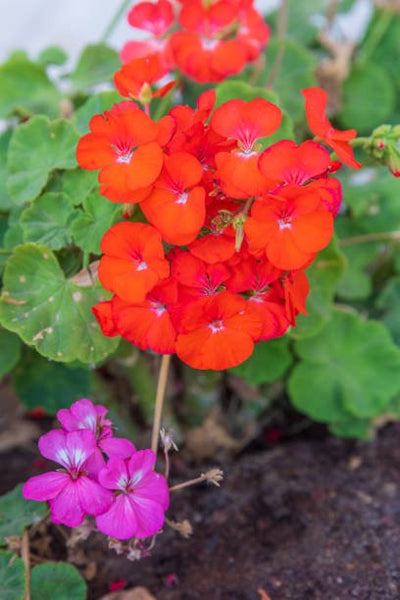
[[146, 94]]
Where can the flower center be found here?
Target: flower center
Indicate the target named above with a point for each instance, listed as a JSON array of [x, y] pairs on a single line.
[[216, 326], [285, 223]]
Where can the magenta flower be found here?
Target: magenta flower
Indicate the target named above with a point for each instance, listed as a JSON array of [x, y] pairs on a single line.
[[83, 414], [72, 492], [141, 497]]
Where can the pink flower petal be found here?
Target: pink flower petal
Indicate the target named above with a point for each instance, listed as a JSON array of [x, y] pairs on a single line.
[[45, 486], [80, 445], [81, 415], [153, 487], [93, 498], [120, 520], [66, 508], [115, 475], [117, 447], [142, 462], [95, 463], [150, 516], [52, 445]]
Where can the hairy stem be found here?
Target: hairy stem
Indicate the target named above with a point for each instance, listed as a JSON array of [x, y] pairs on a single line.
[[26, 558], [115, 20], [160, 395], [385, 236], [281, 31]]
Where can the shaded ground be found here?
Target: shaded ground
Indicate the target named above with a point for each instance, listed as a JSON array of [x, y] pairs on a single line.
[[308, 519]]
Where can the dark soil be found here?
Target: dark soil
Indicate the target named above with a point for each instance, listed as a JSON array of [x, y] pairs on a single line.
[[305, 520]]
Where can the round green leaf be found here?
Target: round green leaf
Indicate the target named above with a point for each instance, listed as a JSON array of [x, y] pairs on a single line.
[[12, 577], [296, 72], [50, 312], [88, 229], [356, 428], [48, 221], [228, 90], [368, 98], [96, 64], [10, 351], [350, 368], [57, 581], [26, 88], [41, 383], [389, 302], [5, 201], [36, 148], [301, 25], [269, 362], [77, 184], [16, 513], [53, 55], [324, 274]]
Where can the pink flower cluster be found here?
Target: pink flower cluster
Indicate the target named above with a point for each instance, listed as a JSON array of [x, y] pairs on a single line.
[[101, 476]]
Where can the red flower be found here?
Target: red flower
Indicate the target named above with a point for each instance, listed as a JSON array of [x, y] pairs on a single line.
[[176, 206], [134, 260], [217, 332], [123, 144], [316, 101], [103, 313], [291, 227], [134, 79], [196, 278]]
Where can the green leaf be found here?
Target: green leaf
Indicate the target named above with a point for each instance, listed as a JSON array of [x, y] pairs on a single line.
[[40, 383], [53, 55], [10, 351], [228, 90], [366, 81], [77, 184], [96, 64], [12, 577], [96, 104], [351, 368], [50, 312], [389, 302], [324, 274], [370, 193], [269, 362], [300, 23], [296, 72], [13, 234], [5, 201], [16, 513], [356, 428], [48, 221], [36, 148], [57, 581], [25, 88], [88, 229]]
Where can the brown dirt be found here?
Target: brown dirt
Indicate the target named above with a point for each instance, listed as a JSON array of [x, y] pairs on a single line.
[[305, 520]]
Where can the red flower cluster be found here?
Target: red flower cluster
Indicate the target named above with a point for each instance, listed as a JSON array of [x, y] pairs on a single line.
[[207, 41], [231, 228]]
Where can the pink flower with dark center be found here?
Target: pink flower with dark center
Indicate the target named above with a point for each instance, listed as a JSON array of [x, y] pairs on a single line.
[[141, 497], [71, 491], [83, 414]]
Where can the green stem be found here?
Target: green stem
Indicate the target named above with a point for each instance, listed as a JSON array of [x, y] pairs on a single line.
[[376, 34], [115, 20], [385, 236], [281, 32]]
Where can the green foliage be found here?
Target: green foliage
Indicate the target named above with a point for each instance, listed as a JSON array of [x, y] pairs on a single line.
[[53, 55], [296, 72], [324, 275], [389, 303], [96, 104], [12, 577], [5, 201], [37, 148], [371, 81], [40, 304], [269, 362], [96, 64], [98, 215], [26, 89], [10, 350], [41, 383], [16, 513], [48, 220], [77, 184], [351, 368], [57, 580]]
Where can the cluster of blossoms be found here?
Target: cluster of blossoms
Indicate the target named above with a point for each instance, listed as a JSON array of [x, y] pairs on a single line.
[[100, 476], [231, 227], [207, 41]]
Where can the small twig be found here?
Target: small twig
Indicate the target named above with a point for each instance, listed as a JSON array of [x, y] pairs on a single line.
[[386, 236], [25, 557], [281, 30], [214, 476], [115, 20], [160, 395]]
